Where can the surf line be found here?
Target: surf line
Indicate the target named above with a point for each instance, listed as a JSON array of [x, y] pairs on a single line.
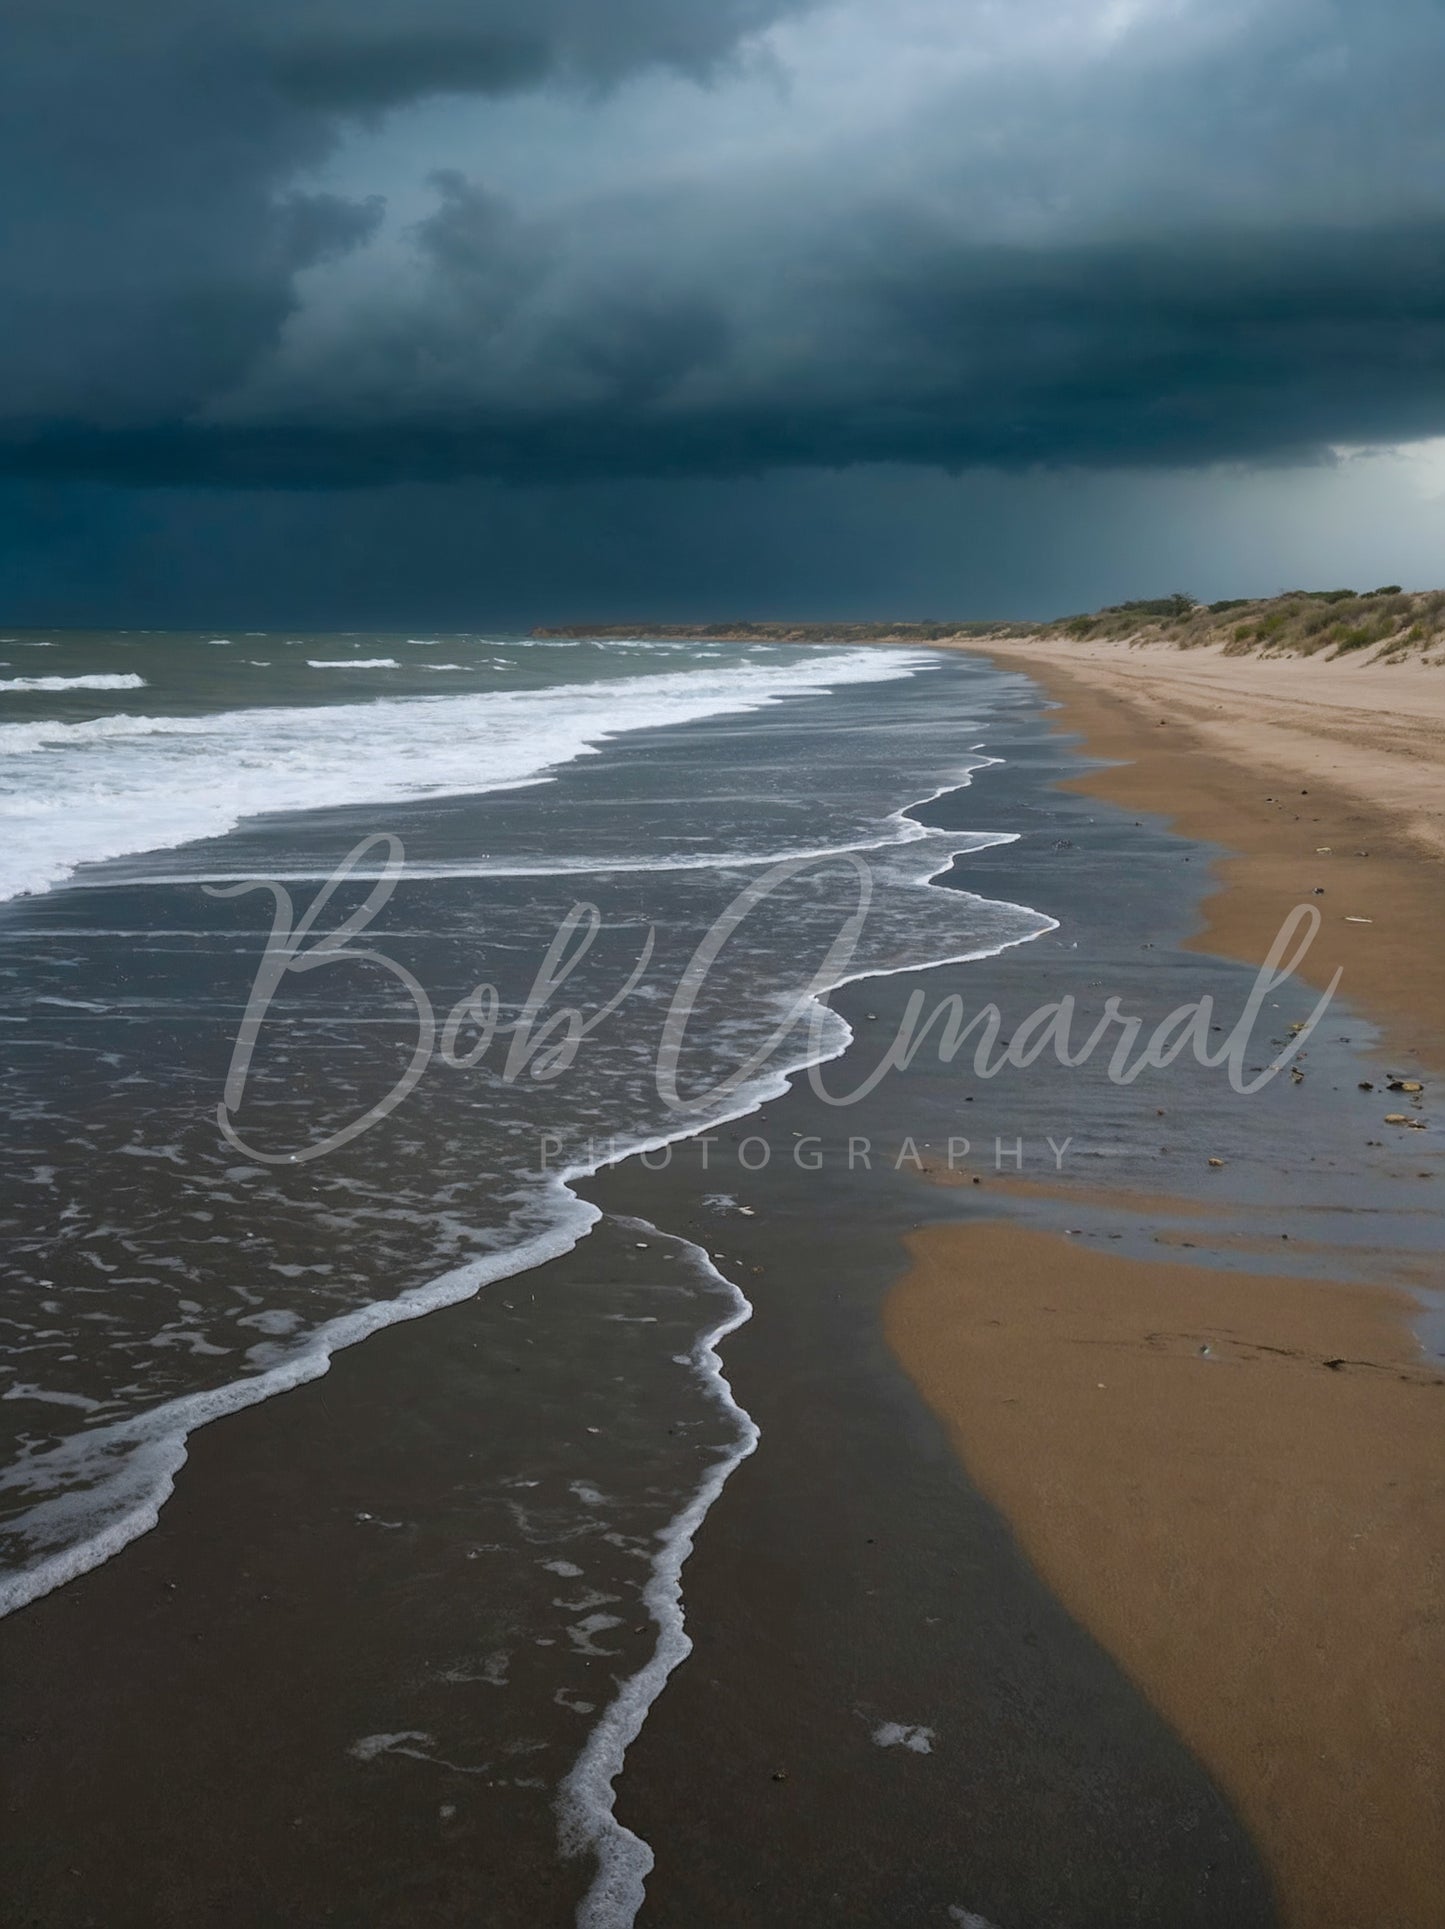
[[586, 1800], [140, 1458]]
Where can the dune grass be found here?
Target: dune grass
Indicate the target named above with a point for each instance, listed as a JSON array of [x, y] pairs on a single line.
[[1390, 622]]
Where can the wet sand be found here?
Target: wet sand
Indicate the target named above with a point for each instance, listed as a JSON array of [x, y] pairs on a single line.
[[1235, 1480], [181, 1723], [1252, 1532]]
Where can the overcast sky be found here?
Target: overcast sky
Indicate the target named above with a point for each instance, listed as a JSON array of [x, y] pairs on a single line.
[[507, 311]]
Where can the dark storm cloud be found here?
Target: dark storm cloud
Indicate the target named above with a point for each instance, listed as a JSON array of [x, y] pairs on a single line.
[[150, 237], [1170, 354], [367, 54], [388, 68], [1226, 238]]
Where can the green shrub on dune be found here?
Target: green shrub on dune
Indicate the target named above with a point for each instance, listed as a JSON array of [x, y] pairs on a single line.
[[1297, 621]]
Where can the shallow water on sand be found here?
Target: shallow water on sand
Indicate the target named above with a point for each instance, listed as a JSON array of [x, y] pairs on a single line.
[[163, 1271]]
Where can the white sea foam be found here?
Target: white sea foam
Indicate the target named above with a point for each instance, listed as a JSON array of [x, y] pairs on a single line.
[[118, 1477], [115, 1479], [397, 1743], [900, 1734], [78, 793], [20, 1390], [352, 663], [136, 1462], [903, 831], [101, 680], [587, 1798]]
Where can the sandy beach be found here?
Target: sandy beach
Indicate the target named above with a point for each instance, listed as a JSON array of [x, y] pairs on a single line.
[[1308, 774], [915, 1693], [1252, 1534], [1234, 1479]]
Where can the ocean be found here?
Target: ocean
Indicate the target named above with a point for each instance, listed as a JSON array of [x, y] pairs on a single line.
[[527, 907]]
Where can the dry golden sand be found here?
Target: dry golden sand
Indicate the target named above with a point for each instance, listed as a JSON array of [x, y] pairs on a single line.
[[1275, 760], [1375, 729], [1257, 1537]]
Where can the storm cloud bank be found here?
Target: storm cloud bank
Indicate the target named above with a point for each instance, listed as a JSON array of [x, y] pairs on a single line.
[[349, 242]]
